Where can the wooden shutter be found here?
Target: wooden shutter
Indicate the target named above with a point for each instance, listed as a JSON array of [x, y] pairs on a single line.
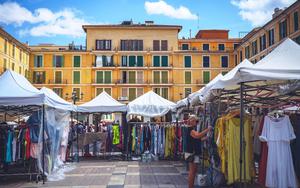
[[156, 61], [156, 45], [140, 77], [132, 77], [35, 61], [76, 77], [206, 77], [140, 61], [107, 90], [165, 93], [132, 94], [54, 60], [156, 77], [164, 45], [131, 61], [76, 61], [188, 77], [164, 77], [187, 61], [99, 77], [107, 77], [164, 61]]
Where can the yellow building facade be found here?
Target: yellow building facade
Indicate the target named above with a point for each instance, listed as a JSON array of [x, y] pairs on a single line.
[[14, 55], [262, 40], [128, 60]]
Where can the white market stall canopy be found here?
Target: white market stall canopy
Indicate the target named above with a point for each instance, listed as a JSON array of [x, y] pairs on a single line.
[[102, 103], [52, 99], [150, 105], [16, 90], [283, 63]]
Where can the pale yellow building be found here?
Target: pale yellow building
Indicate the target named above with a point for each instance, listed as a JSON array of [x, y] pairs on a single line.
[[14, 55]]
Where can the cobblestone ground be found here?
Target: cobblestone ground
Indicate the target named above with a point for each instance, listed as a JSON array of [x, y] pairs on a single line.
[[98, 174]]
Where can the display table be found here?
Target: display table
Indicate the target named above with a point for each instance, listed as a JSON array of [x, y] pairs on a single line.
[[89, 138]]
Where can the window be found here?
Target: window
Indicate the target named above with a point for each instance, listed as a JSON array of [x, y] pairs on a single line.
[[160, 77], [262, 42], [104, 61], [235, 60], [58, 77], [163, 92], [103, 44], [38, 61], [156, 77], [140, 61], [164, 45], [206, 77], [224, 72], [131, 45], [4, 64], [160, 61], [132, 61], [185, 46], [140, 77], [187, 91], [76, 77], [241, 56], [58, 60], [296, 22], [224, 61], [235, 45], [100, 90], [77, 92], [124, 61], [58, 91], [156, 45], [164, 77], [76, 61], [205, 47], [221, 47], [39, 77], [254, 48], [282, 29], [187, 61], [164, 61], [103, 77], [132, 77], [13, 66], [139, 92], [206, 61], [247, 52], [271, 37], [132, 94], [188, 77], [5, 46], [14, 51]]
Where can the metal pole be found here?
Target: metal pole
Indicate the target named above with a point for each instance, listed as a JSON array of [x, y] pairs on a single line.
[[77, 138], [241, 130], [202, 145], [43, 137]]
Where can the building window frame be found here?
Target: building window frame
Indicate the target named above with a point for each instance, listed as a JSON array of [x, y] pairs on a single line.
[[185, 78], [221, 60], [60, 88], [271, 37], [185, 46], [103, 77], [185, 91], [61, 73], [73, 76], [103, 89], [296, 21], [103, 44], [191, 62], [80, 60], [209, 74], [37, 63], [204, 62], [222, 49]]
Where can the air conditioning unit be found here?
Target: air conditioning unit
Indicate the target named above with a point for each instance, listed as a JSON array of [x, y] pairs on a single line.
[[123, 98]]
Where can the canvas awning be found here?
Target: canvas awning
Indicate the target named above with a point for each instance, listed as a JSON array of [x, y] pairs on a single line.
[[150, 105], [102, 103]]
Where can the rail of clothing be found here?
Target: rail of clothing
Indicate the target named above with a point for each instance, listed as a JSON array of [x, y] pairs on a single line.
[[165, 140], [268, 139]]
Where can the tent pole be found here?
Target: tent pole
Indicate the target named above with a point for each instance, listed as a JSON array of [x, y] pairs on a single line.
[[43, 137], [241, 130], [77, 138]]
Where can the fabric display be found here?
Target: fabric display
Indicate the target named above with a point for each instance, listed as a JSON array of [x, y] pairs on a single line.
[[227, 138], [165, 141]]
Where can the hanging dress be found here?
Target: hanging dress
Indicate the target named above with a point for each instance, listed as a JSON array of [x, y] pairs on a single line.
[[280, 169]]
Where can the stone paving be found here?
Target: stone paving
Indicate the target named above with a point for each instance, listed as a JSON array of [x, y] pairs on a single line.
[[117, 174]]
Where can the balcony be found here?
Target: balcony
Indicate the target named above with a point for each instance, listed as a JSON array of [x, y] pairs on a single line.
[[132, 67], [96, 82], [211, 50], [162, 82], [58, 82], [38, 81], [132, 82], [104, 66]]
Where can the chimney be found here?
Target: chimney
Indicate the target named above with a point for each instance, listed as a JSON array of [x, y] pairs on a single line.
[[277, 11], [149, 22]]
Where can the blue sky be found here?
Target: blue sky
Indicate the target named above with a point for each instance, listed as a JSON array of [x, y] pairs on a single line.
[[59, 21]]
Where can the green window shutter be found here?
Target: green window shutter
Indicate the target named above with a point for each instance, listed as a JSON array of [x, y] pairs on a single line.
[[164, 77], [188, 77], [98, 91], [107, 77], [54, 61], [99, 77], [206, 77], [107, 90], [62, 61], [156, 77], [131, 61], [156, 61], [132, 77], [164, 61], [58, 78], [76, 62], [187, 61], [35, 60], [165, 93], [76, 77], [140, 61], [132, 94]]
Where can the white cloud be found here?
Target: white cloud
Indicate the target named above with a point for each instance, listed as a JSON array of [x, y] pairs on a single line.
[[258, 12], [162, 8], [43, 22]]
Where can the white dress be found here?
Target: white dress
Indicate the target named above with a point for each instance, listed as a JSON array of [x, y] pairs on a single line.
[[280, 169]]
